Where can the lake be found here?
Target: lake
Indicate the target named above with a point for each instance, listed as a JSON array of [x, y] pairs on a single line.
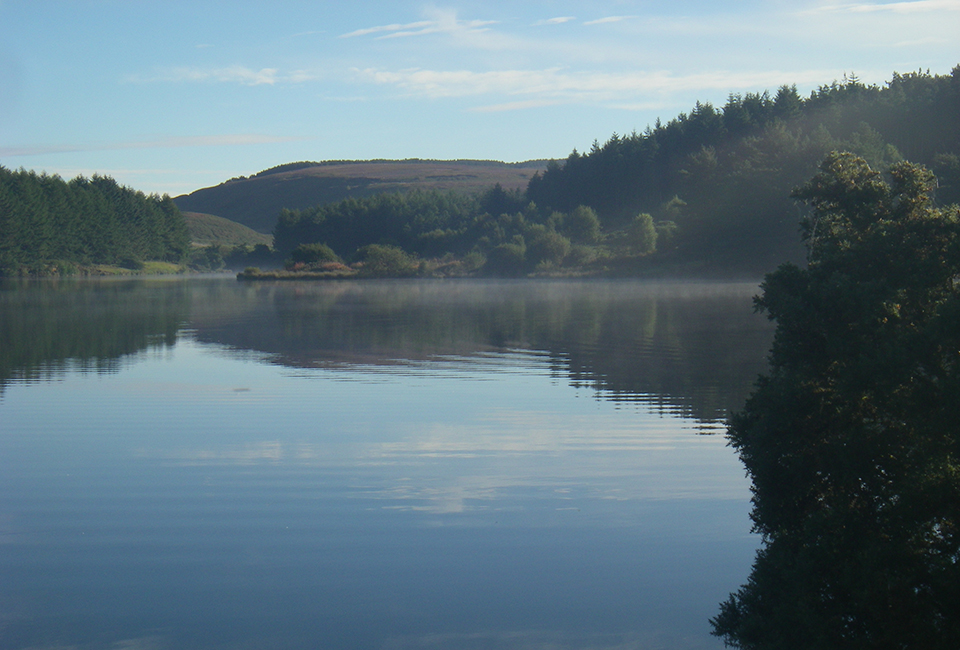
[[200, 463]]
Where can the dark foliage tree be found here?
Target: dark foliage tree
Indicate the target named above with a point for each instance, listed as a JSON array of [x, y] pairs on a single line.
[[852, 440], [48, 225], [419, 221]]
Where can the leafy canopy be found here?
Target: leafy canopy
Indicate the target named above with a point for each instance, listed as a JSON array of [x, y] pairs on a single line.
[[852, 441]]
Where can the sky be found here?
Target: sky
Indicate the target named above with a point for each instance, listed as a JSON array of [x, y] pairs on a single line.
[[168, 97]]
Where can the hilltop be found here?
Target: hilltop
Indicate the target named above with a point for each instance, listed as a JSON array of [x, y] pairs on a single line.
[[255, 201]]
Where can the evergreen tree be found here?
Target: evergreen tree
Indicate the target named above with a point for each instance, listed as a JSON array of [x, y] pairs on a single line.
[[46, 223]]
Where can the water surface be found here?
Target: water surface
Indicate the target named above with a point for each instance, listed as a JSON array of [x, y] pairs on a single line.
[[194, 463]]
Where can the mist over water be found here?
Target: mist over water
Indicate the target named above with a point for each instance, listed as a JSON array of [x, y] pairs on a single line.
[[209, 464]]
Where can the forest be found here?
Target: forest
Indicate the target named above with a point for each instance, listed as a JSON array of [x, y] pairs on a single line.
[[54, 227], [706, 193]]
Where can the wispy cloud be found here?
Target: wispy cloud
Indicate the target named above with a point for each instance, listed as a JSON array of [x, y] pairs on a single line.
[[559, 20], [558, 84], [443, 23], [232, 74], [389, 29], [228, 140], [609, 19], [894, 7]]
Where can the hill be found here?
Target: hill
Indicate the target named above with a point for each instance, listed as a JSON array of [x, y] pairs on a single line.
[[707, 193], [255, 201], [211, 230], [723, 176]]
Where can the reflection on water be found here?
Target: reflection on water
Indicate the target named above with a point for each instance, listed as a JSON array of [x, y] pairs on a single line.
[[694, 348], [46, 326], [387, 465]]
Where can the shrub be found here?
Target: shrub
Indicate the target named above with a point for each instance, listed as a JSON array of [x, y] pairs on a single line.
[[506, 259], [310, 255], [582, 225], [547, 246], [386, 261], [642, 234]]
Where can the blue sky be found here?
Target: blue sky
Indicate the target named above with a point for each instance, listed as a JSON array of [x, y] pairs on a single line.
[[172, 96]]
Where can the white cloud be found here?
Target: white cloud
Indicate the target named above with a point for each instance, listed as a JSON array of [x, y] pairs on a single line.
[[232, 74], [559, 20], [441, 22], [556, 84], [301, 76], [609, 19], [388, 28], [229, 75], [894, 7]]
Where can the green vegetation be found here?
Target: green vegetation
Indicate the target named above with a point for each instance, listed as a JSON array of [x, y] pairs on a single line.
[[47, 328], [256, 201], [851, 440], [446, 233], [53, 227], [219, 244], [723, 176], [707, 193]]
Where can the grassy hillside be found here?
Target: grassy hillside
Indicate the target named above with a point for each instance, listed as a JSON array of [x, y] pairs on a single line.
[[209, 229], [256, 201]]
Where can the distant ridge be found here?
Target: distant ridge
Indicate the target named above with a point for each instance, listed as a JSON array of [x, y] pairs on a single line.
[[255, 201], [294, 166]]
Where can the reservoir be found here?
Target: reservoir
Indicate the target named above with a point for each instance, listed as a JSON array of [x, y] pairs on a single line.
[[199, 463]]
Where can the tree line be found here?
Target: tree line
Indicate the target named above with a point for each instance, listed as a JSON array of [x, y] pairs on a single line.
[[52, 226], [724, 174], [497, 232], [707, 191]]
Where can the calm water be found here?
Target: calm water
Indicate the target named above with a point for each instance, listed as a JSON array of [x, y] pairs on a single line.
[[208, 464]]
